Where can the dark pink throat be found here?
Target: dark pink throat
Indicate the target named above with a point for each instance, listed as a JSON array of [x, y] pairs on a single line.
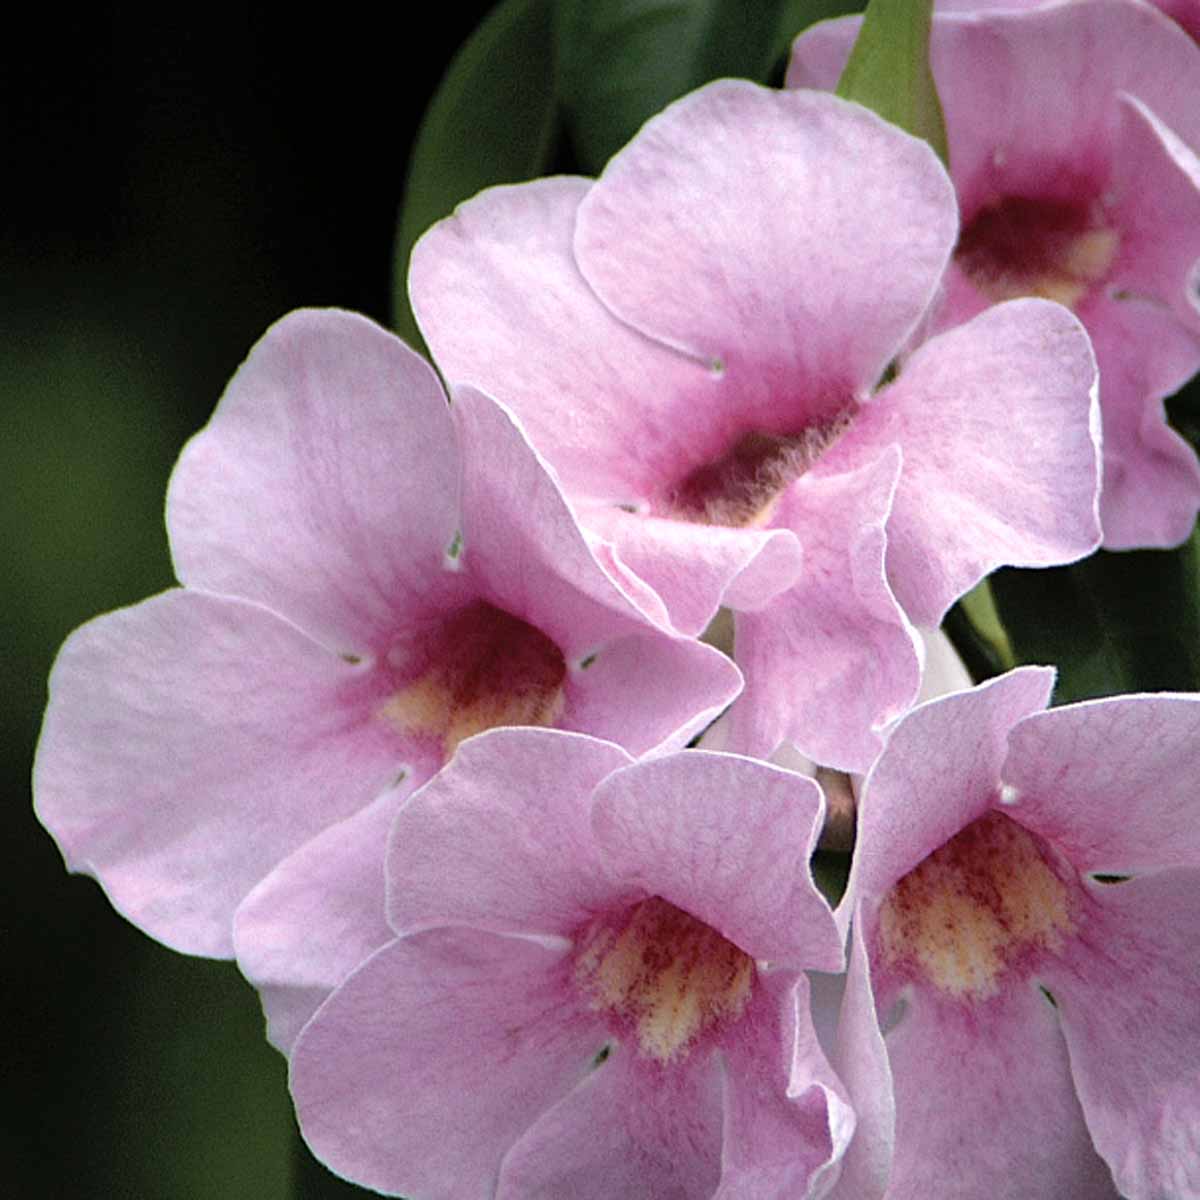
[[740, 487], [1025, 247], [482, 667]]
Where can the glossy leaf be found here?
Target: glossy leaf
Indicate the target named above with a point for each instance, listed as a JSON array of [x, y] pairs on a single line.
[[1125, 622], [888, 69], [493, 119], [622, 61]]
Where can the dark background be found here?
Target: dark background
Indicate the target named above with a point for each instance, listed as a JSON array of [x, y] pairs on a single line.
[[171, 187]]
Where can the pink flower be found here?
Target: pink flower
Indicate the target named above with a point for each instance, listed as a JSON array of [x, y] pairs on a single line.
[[1185, 12], [696, 343], [579, 1002], [1072, 133], [1026, 913], [369, 579]]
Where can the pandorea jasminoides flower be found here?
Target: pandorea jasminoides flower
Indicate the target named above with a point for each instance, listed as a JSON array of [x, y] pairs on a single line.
[[1073, 131], [696, 341], [597, 990], [1186, 12], [1025, 899], [369, 579]]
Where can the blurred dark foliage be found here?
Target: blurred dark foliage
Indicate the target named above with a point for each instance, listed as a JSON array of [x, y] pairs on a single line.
[[175, 180]]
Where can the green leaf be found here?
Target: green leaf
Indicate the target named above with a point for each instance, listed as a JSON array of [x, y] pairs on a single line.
[[793, 18], [493, 119], [888, 70], [980, 607], [622, 61], [1121, 622]]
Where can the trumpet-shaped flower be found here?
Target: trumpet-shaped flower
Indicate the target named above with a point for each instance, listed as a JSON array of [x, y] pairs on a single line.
[[597, 989], [1073, 129], [696, 342], [1025, 899], [369, 579]]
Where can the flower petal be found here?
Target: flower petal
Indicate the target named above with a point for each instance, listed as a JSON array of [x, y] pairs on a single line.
[[694, 568], [325, 485], [432, 1059], [752, 228], [1091, 108], [861, 1061], [644, 692], [985, 1099], [1151, 475], [319, 914], [190, 744], [522, 545], [939, 772], [1157, 178], [1000, 430], [786, 1121], [1032, 96], [502, 305], [1127, 1000], [833, 659], [630, 1129], [501, 839], [1111, 782], [728, 840]]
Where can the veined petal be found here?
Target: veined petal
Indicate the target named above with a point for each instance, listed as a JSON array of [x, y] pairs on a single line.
[[325, 487], [315, 917], [985, 1108], [1031, 97], [786, 1120], [1151, 475], [728, 840], [1000, 429], [527, 553], [191, 742], [501, 839], [1077, 178], [695, 567], [1127, 999], [913, 800], [434, 1057], [1113, 782], [650, 693], [752, 228], [833, 659], [861, 1061], [502, 305], [1157, 180], [630, 1129]]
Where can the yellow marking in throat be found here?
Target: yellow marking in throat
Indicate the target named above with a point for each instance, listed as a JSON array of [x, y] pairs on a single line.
[[960, 916], [428, 706], [670, 974], [484, 668]]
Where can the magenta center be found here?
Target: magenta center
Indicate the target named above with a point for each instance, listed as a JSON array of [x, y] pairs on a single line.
[[481, 668], [739, 487], [1024, 247], [662, 974]]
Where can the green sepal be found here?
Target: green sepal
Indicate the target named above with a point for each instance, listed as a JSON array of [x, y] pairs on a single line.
[[888, 70]]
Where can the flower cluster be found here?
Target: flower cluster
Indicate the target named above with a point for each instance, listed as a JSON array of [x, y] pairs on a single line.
[[411, 739]]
